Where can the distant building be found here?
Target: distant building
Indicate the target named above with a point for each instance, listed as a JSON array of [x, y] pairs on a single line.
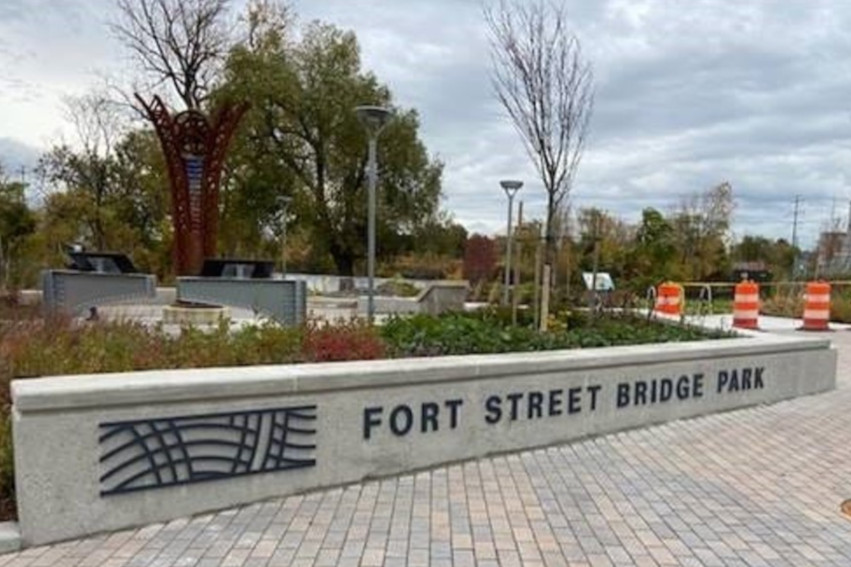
[[834, 253], [753, 271]]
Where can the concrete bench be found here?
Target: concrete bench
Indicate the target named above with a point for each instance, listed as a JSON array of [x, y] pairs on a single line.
[[92, 279]]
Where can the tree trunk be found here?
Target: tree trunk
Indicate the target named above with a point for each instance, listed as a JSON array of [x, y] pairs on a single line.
[[344, 260]]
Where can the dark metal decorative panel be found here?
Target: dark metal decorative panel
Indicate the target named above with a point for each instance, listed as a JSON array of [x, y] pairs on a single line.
[[154, 453]]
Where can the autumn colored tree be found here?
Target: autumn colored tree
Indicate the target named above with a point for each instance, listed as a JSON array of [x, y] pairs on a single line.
[[479, 259]]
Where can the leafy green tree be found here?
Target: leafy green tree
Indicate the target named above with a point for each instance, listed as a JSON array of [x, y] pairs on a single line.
[[84, 182], [439, 236], [753, 249], [301, 139], [701, 231], [17, 224], [142, 202], [654, 252], [777, 255], [115, 200], [614, 237]]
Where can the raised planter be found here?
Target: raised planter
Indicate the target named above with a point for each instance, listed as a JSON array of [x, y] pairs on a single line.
[[105, 452]]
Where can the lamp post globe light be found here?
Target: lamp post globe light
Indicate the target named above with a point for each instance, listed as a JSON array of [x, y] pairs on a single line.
[[511, 187], [373, 118]]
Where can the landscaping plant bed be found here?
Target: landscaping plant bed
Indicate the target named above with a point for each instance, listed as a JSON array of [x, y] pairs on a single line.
[[48, 347]]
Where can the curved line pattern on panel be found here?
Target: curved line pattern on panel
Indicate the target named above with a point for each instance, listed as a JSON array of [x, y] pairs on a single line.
[[146, 454]]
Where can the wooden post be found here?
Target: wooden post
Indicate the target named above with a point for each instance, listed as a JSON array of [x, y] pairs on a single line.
[[537, 279], [517, 249], [545, 297], [567, 273]]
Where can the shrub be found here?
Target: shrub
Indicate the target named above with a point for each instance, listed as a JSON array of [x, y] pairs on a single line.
[[423, 273], [344, 341], [782, 306], [455, 333], [268, 343], [57, 346], [398, 288], [490, 331], [495, 293], [7, 467]]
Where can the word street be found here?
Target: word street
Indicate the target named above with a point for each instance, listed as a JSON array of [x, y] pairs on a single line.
[[432, 416]]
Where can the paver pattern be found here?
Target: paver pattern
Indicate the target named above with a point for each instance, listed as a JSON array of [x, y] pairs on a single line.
[[759, 487]]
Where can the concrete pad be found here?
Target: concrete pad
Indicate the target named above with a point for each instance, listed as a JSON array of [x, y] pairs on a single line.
[[10, 537]]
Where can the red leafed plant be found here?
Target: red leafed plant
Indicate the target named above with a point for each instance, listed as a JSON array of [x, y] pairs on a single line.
[[479, 258], [353, 340]]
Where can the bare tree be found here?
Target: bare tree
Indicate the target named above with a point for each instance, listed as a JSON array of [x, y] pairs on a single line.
[[176, 42], [545, 84], [98, 122], [702, 226]]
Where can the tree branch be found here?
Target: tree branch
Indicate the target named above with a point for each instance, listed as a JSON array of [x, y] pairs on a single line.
[[545, 85]]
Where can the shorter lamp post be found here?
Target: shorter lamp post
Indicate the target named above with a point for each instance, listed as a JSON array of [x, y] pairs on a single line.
[[510, 187], [374, 118], [285, 202]]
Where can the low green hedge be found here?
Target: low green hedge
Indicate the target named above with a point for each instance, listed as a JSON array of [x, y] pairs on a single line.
[[491, 331]]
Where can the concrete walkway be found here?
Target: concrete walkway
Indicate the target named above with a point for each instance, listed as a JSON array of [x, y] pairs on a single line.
[[761, 486]]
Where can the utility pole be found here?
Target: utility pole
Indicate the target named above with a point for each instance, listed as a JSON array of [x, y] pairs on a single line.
[[795, 238], [833, 214]]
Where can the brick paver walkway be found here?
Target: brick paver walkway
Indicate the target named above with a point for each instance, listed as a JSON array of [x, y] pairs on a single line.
[[753, 487]]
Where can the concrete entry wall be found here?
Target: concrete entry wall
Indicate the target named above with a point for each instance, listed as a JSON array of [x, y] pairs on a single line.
[[89, 450]]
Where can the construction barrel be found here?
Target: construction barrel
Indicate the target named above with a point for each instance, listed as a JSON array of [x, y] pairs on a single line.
[[746, 306], [669, 300], [816, 307]]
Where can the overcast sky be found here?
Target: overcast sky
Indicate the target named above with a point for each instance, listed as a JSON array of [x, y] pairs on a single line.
[[688, 94]]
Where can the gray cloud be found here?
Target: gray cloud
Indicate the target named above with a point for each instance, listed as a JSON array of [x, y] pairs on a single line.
[[753, 93], [14, 155]]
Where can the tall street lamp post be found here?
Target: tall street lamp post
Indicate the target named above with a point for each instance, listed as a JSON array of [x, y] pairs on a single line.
[[374, 118], [510, 187], [285, 203]]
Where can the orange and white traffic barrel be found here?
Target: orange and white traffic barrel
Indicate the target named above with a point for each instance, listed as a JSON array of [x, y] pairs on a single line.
[[669, 300], [817, 307], [746, 306]]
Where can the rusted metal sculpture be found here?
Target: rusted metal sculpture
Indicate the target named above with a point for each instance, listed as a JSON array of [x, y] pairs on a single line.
[[194, 149]]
